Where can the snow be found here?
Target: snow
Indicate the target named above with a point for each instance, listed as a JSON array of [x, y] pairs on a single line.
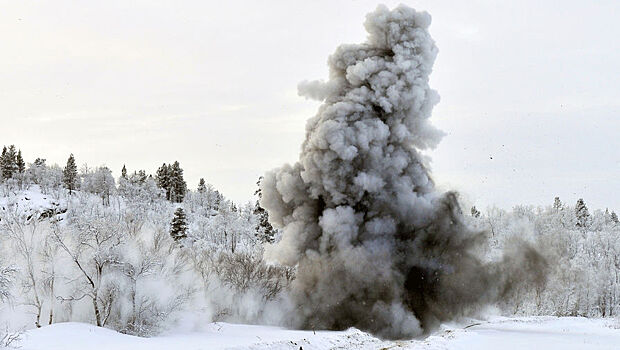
[[79, 336], [564, 333], [32, 202], [546, 333]]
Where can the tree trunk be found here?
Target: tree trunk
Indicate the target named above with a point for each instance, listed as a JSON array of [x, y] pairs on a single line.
[[51, 319], [97, 313]]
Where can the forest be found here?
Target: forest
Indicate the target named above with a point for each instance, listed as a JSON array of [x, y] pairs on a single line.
[[140, 252]]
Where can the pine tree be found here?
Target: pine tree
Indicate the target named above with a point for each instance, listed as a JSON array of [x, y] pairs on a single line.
[[39, 162], [264, 231], [3, 166], [170, 178], [163, 179], [124, 172], [178, 226], [557, 204], [202, 186], [21, 165], [475, 212], [178, 186], [140, 176], [582, 214], [12, 157], [614, 217], [70, 175], [8, 162], [217, 200]]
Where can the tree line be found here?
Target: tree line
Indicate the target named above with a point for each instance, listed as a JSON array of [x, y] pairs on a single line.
[[168, 177]]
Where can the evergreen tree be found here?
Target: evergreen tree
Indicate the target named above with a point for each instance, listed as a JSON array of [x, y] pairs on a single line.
[[557, 204], [178, 226], [582, 214], [163, 179], [475, 212], [21, 165], [124, 172], [217, 200], [70, 174], [139, 176], [264, 231], [12, 157], [39, 162], [614, 217], [202, 186], [170, 178], [8, 162], [178, 186]]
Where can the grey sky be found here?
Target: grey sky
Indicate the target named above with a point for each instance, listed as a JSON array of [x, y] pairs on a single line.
[[530, 90]]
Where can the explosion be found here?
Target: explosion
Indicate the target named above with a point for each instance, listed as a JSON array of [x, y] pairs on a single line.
[[376, 245]]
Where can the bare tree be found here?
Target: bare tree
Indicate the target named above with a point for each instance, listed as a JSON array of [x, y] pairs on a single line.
[[92, 243], [24, 233], [49, 257]]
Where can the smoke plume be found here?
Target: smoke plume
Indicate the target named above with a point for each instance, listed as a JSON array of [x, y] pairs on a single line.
[[376, 245]]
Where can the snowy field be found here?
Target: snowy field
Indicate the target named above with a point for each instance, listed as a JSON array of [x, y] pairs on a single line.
[[500, 333]]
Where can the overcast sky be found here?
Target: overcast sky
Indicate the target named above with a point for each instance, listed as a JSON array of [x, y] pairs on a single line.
[[530, 90]]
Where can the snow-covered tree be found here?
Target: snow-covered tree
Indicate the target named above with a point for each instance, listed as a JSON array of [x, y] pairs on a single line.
[[170, 178], [100, 262], [264, 231], [202, 187], [177, 183], [8, 162], [36, 169], [582, 214], [163, 179], [70, 174], [557, 204], [25, 234], [583, 268], [7, 277], [178, 226], [93, 242], [101, 182], [19, 161], [51, 178]]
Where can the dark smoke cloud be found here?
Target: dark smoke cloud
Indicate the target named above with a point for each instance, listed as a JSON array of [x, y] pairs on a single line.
[[376, 245]]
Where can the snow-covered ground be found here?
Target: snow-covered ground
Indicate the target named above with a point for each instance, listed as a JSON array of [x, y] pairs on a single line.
[[31, 203], [544, 333]]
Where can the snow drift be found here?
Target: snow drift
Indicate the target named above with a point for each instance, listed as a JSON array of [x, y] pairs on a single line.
[[376, 245]]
